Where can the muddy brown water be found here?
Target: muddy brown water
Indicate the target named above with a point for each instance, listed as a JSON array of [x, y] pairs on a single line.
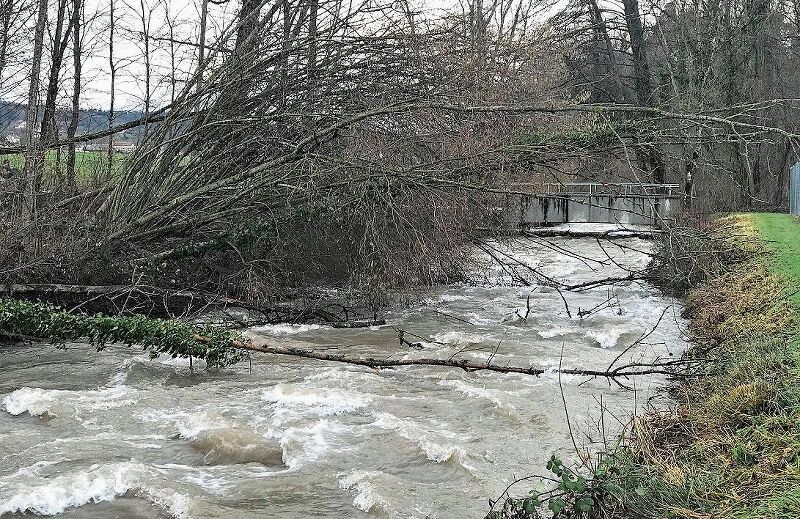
[[120, 435]]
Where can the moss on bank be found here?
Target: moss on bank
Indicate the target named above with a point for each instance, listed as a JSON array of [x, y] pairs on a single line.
[[731, 446]]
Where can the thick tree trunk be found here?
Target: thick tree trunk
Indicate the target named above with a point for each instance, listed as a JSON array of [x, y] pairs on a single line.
[[609, 67], [49, 129], [113, 70], [76, 91], [247, 40], [33, 162], [648, 154], [247, 32], [641, 67]]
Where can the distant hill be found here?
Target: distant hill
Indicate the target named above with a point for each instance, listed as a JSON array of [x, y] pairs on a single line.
[[12, 120]]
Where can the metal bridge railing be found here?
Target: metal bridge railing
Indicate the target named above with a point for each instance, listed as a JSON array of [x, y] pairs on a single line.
[[600, 189]]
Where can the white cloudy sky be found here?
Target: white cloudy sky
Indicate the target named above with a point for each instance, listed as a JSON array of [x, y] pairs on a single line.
[[129, 49]]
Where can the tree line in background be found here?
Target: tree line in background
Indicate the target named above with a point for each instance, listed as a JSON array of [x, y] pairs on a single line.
[[289, 142]]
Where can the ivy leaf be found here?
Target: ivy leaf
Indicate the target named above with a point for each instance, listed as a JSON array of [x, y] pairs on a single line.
[[557, 505], [529, 504], [585, 504]]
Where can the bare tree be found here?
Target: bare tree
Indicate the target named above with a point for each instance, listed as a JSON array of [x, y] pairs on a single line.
[[33, 158], [171, 27], [49, 128], [77, 51], [145, 14], [112, 68], [6, 13], [201, 50]]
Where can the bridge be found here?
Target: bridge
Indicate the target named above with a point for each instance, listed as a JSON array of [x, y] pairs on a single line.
[[624, 203]]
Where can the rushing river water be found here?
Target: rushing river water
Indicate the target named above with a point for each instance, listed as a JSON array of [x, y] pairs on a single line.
[[117, 434]]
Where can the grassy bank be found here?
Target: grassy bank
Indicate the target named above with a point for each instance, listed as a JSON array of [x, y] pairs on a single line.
[[731, 445]]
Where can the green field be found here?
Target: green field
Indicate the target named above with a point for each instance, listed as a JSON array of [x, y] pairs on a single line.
[[90, 166]]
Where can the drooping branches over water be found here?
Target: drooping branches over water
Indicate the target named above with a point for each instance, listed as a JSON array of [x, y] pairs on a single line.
[[365, 144], [316, 153]]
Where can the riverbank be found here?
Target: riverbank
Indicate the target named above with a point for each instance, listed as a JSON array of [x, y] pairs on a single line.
[[731, 445]]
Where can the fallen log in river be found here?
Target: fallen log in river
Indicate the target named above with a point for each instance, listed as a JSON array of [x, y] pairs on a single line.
[[24, 320]]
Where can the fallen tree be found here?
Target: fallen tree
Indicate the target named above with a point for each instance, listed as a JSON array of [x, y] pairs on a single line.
[[24, 320], [667, 368], [153, 301]]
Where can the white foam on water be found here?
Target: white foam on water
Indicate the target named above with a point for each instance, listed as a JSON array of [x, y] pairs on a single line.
[[119, 378], [37, 401], [286, 329], [188, 425], [180, 362], [308, 443], [36, 468], [99, 483], [449, 298], [29, 493], [292, 401], [553, 332], [214, 484], [552, 373], [456, 338], [178, 505], [434, 450], [143, 446], [608, 337], [366, 492], [337, 374]]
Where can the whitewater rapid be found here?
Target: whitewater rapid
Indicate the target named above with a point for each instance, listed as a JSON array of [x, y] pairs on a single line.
[[118, 434]]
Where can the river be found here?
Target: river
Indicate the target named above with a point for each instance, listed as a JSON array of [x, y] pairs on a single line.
[[119, 435]]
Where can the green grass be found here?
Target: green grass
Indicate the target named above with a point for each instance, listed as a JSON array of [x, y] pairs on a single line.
[[89, 165], [781, 236]]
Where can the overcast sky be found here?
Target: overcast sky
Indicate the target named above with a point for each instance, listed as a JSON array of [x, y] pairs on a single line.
[[129, 48], [183, 15]]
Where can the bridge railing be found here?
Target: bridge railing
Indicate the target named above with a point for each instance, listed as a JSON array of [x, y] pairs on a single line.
[[600, 189]]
